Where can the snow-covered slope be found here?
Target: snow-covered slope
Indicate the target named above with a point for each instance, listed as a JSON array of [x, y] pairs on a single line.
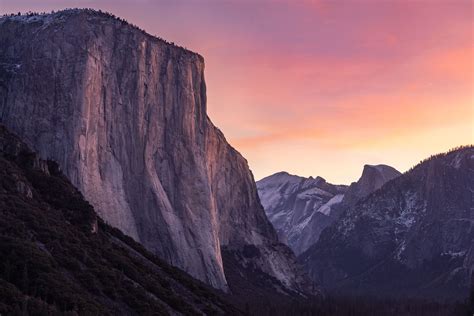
[[301, 208]]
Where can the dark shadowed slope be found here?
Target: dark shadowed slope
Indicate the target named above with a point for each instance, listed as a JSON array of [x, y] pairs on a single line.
[[412, 238], [57, 255]]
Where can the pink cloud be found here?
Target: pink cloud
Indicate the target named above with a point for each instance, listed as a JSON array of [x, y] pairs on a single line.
[[324, 78]]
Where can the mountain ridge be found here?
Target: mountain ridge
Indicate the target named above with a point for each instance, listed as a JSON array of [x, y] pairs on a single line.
[[412, 237], [301, 208]]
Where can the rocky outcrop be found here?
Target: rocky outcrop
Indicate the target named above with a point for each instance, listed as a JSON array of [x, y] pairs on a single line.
[[372, 179], [124, 115], [299, 208], [411, 238]]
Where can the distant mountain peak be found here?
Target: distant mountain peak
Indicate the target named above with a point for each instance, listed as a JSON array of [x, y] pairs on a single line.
[[373, 178], [301, 208], [384, 171], [280, 175]]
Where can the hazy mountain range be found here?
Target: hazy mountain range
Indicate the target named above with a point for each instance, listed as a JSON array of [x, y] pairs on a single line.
[[301, 208], [386, 235]]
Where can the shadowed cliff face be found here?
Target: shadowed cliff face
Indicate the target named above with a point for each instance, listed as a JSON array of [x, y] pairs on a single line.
[[411, 238], [124, 114]]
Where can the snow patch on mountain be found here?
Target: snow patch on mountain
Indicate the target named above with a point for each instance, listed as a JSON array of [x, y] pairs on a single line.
[[407, 216], [400, 250], [455, 253], [326, 208], [299, 208], [456, 161]]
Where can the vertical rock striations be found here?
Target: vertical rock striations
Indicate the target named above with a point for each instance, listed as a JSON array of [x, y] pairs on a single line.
[[124, 114]]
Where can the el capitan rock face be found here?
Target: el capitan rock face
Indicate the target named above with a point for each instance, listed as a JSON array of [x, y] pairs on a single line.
[[413, 237], [124, 115]]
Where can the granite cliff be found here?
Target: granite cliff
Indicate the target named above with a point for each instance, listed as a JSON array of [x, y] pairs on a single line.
[[124, 115]]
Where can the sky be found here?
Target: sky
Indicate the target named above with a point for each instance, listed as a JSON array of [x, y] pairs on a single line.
[[320, 88]]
